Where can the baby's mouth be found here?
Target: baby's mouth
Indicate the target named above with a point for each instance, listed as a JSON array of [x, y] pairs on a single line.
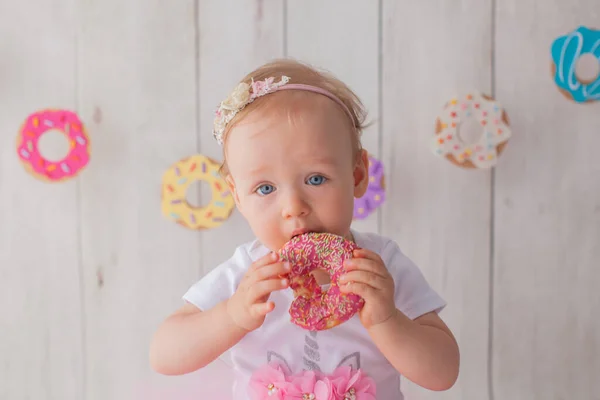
[[300, 232]]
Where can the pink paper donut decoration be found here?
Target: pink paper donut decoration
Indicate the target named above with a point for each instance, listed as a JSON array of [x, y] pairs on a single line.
[[313, 308], [375, 194], [71, 126]]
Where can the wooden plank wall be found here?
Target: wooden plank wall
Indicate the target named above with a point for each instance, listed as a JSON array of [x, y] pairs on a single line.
[[89, 267], [136, 92], [41, 306], [440, 215], [546, 339]]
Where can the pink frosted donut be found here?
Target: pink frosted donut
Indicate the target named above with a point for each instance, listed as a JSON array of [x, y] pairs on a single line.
[[313, 308], [68, 123]]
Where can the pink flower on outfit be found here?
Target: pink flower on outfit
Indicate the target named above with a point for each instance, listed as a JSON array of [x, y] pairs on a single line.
[[352, 385], [271, 382], [324, 390], [268, 382], [308, 386]]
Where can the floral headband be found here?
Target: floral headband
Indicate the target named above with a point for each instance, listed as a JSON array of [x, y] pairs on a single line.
[[245, 93]]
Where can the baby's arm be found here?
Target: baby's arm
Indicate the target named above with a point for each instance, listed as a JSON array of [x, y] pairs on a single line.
[[191, 339], [423, 350]]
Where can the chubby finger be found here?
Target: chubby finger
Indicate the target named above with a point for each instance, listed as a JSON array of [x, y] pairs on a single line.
[[262, 289], [264, 260], [366, 264], [368, 254], [262, 309], [275, 270], [365, 277], [365, 291]]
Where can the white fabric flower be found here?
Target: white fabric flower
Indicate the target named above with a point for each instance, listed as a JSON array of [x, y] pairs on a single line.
[[238, 98], [242, 95]]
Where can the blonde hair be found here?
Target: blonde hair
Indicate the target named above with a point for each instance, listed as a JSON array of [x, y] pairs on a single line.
[[303, 73]]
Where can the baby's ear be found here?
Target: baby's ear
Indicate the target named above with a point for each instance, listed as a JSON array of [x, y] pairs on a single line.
[[352, 361], [361, 174], [232, 189]]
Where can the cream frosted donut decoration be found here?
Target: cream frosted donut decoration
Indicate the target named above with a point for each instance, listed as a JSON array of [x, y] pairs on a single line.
[[177, 180], [314, 308], [471, 131], [64, 121]]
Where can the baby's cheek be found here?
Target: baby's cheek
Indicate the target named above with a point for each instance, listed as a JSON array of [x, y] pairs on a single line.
[[258, 211]]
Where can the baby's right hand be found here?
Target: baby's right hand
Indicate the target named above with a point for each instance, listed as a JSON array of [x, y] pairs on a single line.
[[249, 305]]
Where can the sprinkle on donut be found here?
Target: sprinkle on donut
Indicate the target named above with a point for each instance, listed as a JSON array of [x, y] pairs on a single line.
[[491, 126], [314, 308], [64, 121], [175, 184]]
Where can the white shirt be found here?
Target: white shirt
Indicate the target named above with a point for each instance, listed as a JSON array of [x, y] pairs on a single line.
[[280, 340]]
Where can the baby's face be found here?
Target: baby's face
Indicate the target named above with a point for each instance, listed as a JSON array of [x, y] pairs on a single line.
[[291, 175]]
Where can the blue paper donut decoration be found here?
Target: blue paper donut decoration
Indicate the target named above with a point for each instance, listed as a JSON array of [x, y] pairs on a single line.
[[566, 51]]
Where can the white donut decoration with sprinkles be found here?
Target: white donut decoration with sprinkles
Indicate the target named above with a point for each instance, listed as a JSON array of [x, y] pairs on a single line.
[[488, 124]]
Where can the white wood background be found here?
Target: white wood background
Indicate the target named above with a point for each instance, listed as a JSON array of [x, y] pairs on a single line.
[[89, 267]]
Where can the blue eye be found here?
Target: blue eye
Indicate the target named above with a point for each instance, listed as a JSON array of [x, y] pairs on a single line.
[[316, 180], [264, 190]]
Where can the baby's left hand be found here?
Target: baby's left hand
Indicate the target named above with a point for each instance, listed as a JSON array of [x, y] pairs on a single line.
[[367, 276]]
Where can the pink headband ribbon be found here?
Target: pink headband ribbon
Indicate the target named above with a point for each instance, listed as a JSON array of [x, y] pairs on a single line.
[[245, 94]]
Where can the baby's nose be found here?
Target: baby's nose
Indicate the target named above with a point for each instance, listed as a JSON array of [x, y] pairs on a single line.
[[294, 206]]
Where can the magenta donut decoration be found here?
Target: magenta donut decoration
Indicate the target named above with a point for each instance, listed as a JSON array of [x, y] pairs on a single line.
[[375, 194], [313, 308], [71, 126]]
